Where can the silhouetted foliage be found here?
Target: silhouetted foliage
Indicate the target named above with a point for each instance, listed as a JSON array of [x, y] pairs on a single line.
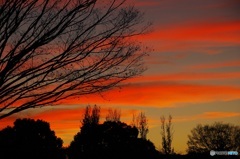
[[167, 135], [91, 116], [54, 50], [30, 139], [218, 137], [110, 140]]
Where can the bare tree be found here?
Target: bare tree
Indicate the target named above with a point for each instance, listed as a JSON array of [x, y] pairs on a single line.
[[167, 135], [113, 115], [142, 125], [140, 122], [54, 50], [217, 136]]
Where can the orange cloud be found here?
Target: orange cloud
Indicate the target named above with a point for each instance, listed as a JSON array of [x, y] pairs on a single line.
[[170, 94], [185, 36], [167, 90], [163, 94], [186, 76], [208, 115], [213, 115], [233, 63], [225, 32]]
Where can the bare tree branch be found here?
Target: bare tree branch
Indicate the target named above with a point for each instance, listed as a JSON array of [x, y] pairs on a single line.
[[114, 115], [53, 50], [141, 123]]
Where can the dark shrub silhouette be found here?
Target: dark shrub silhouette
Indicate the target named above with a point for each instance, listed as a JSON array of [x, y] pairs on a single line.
[[30, 139], [110, 140]]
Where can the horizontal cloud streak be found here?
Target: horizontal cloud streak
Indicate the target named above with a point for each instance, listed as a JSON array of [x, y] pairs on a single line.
[[208, 116], [233, 63], [193, 34], [188, 76], [164, 94]]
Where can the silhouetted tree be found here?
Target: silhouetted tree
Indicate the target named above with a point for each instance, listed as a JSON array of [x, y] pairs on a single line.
[[111, 140], [113, 115], [30, 139], [54, 50], [167, 135], [90, 118], [141, 123], [144, 149], [218, 137], [91, 115]]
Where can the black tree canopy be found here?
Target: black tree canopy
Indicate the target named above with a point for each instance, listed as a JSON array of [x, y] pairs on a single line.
[[112, 139], [30, 139]]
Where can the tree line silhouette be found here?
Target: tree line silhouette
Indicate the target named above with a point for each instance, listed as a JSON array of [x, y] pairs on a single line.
[[29, 138]]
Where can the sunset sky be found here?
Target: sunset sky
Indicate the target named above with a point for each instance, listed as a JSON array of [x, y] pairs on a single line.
[[193, 73]]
